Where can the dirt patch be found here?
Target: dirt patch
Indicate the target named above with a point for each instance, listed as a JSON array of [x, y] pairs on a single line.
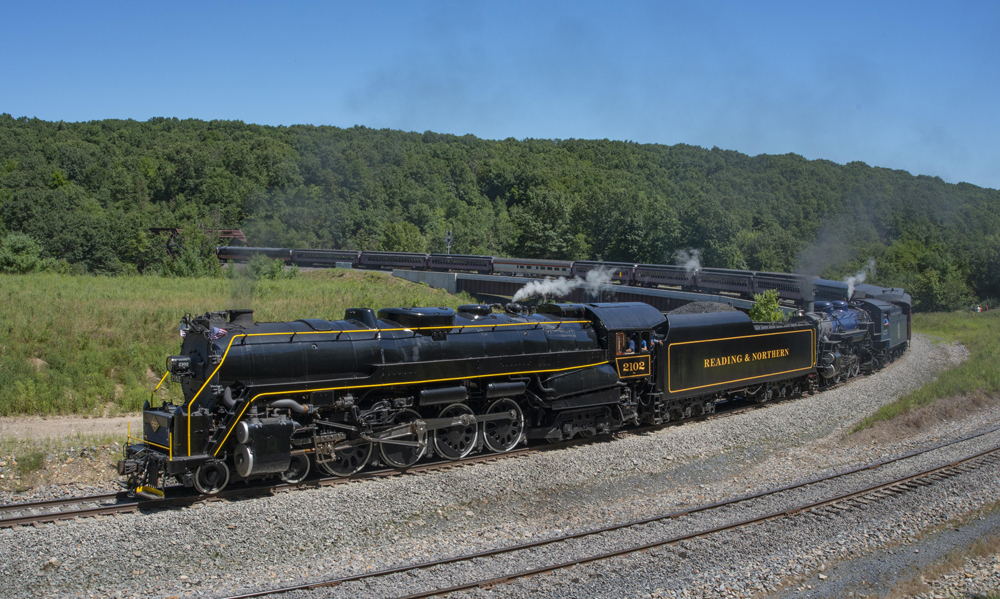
[[40, 428], [38, 364], [71, 452], [922, 418], [70, 467]]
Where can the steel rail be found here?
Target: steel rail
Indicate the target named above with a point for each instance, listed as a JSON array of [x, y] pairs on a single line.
[[122, 498], [673, 515], [34, 505]]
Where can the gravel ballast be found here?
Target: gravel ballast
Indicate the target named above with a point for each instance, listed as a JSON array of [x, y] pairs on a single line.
[[239, 546]]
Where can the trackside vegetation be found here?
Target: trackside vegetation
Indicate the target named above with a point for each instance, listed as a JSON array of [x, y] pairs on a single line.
[[980, 334], [97, 344], [766, 308]]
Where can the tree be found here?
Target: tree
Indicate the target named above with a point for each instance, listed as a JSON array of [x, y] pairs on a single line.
[[766, 308], [19, 254], [402, 237], [87, 192], [194, 256]]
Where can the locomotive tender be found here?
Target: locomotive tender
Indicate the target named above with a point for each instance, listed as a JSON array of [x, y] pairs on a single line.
[[276, 399]]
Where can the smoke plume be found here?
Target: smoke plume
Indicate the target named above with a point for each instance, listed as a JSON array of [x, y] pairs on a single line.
[[690, 259], [859, 277], [241, 288], [561, 287]]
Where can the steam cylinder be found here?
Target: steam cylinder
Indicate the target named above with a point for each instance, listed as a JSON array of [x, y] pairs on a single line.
[[264, 446]]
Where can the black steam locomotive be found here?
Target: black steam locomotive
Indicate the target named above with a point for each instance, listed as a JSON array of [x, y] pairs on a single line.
[[275, 399]]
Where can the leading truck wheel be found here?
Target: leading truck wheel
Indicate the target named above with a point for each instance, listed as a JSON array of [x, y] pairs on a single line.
[[298, 469], [211, 477]]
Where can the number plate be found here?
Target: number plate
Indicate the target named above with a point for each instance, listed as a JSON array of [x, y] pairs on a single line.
[[633, 366]]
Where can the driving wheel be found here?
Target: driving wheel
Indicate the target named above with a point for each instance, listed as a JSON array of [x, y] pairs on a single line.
[[412, 448], [456, 442], [345, 458], [503, 435]]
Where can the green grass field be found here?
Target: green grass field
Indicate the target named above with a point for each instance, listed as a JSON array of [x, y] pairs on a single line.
[[97, 345], [980, 333]]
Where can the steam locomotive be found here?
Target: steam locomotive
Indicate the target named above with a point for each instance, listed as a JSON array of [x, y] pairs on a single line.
[[277, 399]]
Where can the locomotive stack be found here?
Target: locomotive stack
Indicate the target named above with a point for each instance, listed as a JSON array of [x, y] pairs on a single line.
[[277, 399]]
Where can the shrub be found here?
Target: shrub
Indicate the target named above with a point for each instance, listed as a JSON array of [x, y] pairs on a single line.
[[261, 267], [19, 254], [30, 462], [766, 308]]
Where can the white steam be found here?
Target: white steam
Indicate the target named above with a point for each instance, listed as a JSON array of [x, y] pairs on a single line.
[[859, 277], [561, 287], [689, 259]]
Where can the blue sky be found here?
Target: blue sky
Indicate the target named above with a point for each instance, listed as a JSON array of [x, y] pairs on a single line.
[[905, 85]]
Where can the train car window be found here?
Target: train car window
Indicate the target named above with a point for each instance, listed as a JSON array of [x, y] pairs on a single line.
[[619, 343]]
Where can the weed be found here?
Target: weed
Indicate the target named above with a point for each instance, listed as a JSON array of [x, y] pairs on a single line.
[[30, 462]]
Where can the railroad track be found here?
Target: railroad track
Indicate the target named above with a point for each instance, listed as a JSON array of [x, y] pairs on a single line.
[[15, 514], [857, 499], [22, 514]]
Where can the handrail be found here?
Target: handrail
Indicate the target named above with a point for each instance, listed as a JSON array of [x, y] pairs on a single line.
[[157, 388]]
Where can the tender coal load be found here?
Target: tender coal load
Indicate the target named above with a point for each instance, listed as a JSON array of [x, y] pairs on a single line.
[[703, 308]]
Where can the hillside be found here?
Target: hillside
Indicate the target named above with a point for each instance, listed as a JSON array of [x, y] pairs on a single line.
[[88, 192], [93, 345]]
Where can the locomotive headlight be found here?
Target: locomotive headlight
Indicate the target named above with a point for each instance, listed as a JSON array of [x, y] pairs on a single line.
[[179, 365]]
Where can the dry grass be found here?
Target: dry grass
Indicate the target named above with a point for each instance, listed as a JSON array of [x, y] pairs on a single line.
[[923, 418], [97, 345], [980, 334], [66, 459]]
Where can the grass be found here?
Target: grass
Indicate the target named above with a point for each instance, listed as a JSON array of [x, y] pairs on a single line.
[[97, 345], [30, 462], [980, 334]]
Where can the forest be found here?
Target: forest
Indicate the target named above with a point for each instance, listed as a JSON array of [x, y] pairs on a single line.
[[80, 198]]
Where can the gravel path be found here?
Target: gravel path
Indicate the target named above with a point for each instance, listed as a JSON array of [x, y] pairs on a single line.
[[231, 546]]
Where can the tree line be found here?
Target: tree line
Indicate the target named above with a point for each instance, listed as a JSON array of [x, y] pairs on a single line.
[[81, 198]]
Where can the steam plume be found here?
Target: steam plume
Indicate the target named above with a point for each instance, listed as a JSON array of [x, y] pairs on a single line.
[[859, 277], [561, 287], [690, 259]]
